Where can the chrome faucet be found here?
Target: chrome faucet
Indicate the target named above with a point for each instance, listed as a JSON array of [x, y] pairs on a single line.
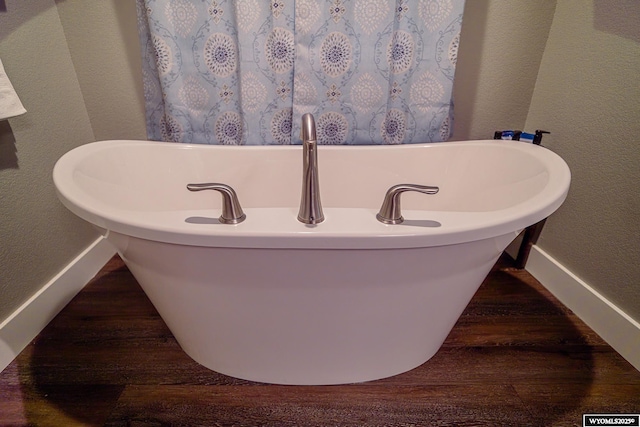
[[390, 209], [232, 212], [310, 205]]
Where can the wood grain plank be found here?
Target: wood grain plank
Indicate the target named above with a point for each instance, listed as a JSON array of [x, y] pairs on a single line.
[[564, 404], [523, 330], [352, 405], [58, 406]]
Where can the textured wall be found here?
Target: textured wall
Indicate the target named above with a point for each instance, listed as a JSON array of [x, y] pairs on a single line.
[[501, 46], [38, 236], [103, 41], [588, 95], [75, 66]]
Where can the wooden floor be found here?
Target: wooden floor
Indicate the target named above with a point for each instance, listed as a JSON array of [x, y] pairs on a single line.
[[516, 358]]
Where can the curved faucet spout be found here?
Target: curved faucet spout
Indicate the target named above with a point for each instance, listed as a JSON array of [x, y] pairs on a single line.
[[308, 128], [310, 205]]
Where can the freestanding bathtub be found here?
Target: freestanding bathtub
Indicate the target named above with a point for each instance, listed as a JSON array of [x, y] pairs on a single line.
[[274, 300]]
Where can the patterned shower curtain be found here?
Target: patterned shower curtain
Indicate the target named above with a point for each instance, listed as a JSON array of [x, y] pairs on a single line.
[[244, 71]]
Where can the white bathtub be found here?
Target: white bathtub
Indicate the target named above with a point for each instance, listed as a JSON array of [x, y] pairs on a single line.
[[278, 301]]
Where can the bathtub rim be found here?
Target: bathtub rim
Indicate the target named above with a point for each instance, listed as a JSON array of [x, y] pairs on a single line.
[[337, 232]]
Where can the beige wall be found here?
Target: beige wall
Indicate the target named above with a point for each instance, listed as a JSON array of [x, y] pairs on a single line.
[[501, 46], [103, 41], [73, 64], [588, 94], [37, 235], [521, 65]]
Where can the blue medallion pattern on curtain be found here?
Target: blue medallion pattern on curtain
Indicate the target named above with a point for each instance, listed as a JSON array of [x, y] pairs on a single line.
[[244, 71]]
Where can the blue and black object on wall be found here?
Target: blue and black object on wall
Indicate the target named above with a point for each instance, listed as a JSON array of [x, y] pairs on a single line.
[[518, 135]]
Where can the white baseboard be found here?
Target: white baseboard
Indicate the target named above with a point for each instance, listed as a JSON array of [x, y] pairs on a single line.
[[616, 327], [23, 325]]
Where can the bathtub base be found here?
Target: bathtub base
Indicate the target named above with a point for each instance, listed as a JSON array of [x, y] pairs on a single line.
[[307, 316]]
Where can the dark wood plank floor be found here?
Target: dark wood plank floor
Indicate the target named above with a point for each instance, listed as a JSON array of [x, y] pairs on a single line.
[[517, 357]]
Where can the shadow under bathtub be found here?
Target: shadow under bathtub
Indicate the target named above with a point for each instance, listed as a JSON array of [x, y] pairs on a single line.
[[515, 356]]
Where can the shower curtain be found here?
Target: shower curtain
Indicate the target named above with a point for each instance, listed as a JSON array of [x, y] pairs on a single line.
[[244, 71]]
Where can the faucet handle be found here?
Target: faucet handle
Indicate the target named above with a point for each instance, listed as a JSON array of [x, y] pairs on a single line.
[[390, 210], [231, 210]]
